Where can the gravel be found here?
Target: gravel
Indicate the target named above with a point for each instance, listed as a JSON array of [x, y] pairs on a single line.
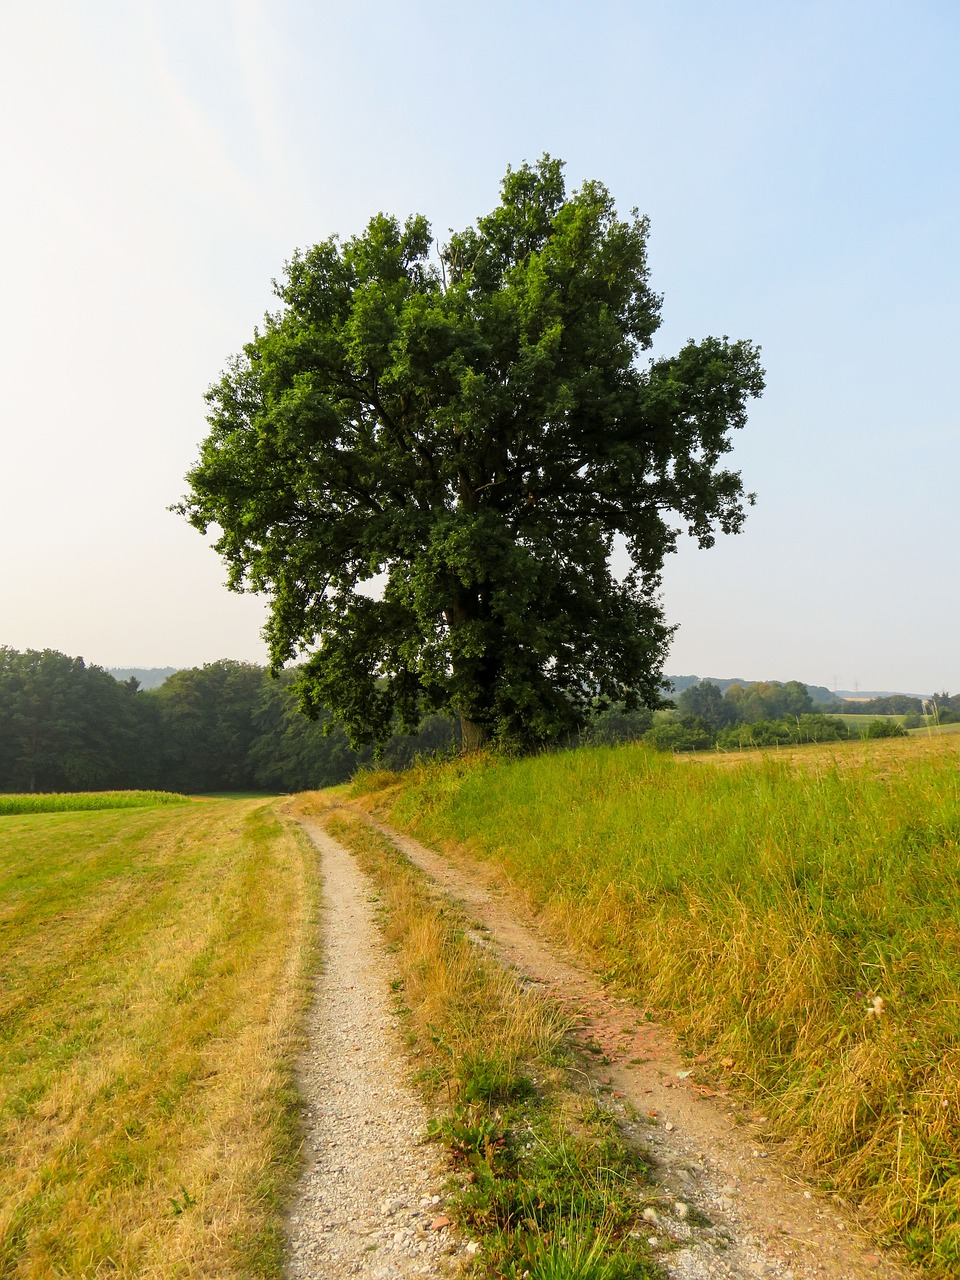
[[370, 1199]]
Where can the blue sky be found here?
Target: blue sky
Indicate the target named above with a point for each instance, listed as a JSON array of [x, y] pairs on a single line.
[[799, 165]]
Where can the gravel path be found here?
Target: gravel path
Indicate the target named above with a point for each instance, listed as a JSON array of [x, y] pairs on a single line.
[[369, 1203]]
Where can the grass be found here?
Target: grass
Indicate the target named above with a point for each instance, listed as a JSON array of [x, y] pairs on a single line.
[[796, 913], [542, 1181], [155, 968], [78, 801]]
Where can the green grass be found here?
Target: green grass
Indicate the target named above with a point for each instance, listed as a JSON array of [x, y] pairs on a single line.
[[79, 801], [155, 966], [765, 904]]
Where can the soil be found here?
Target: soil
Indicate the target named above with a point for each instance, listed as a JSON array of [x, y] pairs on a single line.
[[725, 1205]]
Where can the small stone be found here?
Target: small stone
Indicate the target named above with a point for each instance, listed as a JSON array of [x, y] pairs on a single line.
[[650, 1215], [652, 1241], [439, 1223], [669, 1127], [682, 1210], [473, 1247]]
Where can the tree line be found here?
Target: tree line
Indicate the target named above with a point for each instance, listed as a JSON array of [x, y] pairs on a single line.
[[768, 713], [230, 726], [226, 726]]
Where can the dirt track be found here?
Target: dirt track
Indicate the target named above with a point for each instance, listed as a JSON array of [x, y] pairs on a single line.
[[754, 1215]]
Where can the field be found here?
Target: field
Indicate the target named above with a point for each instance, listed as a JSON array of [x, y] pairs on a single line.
[[78, 801], [155, 965], [797, 914]]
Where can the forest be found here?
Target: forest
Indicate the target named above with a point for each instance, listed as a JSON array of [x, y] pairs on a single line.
[[227, 726]]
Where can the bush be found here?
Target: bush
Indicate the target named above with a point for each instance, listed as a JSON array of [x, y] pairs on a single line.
[[885, 729], [688, 734]]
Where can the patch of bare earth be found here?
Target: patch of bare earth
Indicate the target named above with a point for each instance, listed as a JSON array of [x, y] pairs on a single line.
[[369, 1201], [728, 1206]]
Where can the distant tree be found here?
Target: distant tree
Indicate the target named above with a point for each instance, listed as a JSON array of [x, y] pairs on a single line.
[[478, 428], [767, 700], [292, 753], [615, 724], [705, 702], [947, 707], [891, 704]]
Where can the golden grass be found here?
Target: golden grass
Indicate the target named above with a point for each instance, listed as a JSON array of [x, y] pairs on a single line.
[[156, 967]]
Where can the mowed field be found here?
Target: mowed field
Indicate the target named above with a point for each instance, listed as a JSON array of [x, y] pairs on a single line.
[[796, 913], [154, 965]]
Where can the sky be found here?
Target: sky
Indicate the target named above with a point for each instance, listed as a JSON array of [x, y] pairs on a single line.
[[800, 166]]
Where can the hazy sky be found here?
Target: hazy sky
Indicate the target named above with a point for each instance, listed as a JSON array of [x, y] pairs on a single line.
[[800, 165]]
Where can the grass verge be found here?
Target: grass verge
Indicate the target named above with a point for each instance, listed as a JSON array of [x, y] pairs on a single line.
[[156, 966], [797, 916], [542, 1181]]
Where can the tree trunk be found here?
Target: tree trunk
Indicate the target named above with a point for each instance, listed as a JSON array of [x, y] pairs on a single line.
[[473, 736]]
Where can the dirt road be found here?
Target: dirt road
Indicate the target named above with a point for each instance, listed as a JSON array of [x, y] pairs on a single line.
[[729, 1207]]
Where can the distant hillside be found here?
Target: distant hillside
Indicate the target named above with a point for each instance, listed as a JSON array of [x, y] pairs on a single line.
[[817, 692], [149, 677]]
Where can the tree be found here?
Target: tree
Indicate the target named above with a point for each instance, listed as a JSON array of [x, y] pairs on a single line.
[[208, 724], [476, 427], [766, 700], [65, 725], [705, 702]]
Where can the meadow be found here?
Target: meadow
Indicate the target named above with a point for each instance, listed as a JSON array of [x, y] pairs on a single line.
[[797, 915], [155, 965]]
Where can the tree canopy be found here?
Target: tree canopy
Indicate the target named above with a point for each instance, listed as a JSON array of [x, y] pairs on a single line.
[[473, 423]]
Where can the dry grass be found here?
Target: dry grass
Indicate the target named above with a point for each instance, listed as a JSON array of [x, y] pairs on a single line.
[[764, 903], [156, 968]]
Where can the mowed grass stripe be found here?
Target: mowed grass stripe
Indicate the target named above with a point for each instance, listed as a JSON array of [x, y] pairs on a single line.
[[155, 967], [765, 904]]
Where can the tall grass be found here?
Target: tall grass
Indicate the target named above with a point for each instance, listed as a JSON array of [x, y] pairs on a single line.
[[799, 917], [155, 966], [79, 801]]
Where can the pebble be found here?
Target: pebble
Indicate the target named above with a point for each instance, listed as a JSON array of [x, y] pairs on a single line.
[[368, 1203]]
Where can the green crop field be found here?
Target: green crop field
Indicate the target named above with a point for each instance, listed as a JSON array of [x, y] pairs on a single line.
[[155, 965], [78, 801], [798, 915]]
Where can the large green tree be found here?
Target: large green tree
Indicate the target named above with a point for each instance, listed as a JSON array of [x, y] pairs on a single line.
[[472, 422]]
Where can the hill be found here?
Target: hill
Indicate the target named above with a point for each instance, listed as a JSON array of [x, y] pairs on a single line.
[[147, 677]]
